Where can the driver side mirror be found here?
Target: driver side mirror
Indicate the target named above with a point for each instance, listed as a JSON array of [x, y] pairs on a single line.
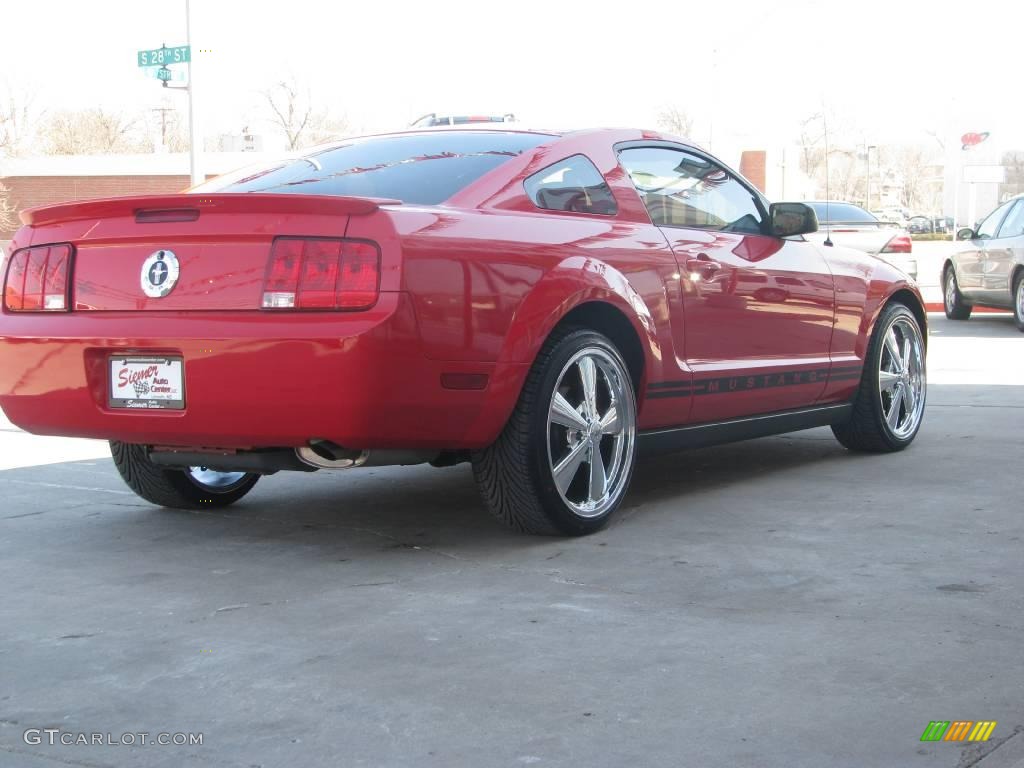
[[965, 234], [789, 219]]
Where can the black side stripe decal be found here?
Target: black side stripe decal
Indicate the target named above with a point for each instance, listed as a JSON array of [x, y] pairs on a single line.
[[726, 384]]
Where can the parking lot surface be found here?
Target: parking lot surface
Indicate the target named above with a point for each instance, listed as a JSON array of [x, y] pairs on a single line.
[[779, 602]]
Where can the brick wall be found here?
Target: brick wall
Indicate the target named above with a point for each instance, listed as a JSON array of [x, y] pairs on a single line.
[[31, 191], [753, 167]]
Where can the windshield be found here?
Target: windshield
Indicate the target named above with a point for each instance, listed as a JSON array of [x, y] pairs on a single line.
[[845, 213], [423, 168]]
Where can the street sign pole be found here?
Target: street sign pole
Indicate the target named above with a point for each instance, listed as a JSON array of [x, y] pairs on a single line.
[[194, 131]]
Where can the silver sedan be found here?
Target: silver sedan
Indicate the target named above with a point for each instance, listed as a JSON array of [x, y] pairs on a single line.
[[988, 269]]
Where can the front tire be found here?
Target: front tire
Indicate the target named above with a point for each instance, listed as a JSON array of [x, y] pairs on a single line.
[[565, 459], [1018, 302], [194, 488], [889, 405], [954, 304]]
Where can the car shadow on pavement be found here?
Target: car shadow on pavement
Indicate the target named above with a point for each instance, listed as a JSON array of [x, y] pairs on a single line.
[[979, 325]]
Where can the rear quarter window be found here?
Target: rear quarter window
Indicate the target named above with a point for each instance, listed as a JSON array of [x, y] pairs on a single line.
[[574, 185], [420, 168]]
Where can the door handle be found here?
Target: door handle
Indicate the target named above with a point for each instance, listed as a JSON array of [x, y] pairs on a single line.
[[703, 265]]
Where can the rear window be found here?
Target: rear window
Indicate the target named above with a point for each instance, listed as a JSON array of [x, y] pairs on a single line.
[[844, 213], [423, 168]]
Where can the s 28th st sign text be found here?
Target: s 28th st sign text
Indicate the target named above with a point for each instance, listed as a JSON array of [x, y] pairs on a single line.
[[156, 57]]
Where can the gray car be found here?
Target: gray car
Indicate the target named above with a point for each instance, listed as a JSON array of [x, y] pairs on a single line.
[[988, 268]]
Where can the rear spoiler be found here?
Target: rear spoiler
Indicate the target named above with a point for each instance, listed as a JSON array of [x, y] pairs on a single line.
[[221, 202]]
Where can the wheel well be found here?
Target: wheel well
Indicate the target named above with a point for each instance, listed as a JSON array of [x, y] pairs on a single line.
[[613, 323], [947, 265], [910, 301], [1018, 273]]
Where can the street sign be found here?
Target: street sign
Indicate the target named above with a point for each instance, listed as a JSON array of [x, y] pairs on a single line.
[[155, 57], [166, 74]]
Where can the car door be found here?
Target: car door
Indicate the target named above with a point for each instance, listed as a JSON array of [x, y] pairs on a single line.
[[998, 258], [970, 261], [757, 309]]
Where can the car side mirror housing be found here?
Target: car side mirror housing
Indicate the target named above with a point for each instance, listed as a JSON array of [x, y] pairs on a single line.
[[965, 234], [789, 219]]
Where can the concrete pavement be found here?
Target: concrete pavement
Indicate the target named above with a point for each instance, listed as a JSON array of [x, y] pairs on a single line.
[[779, 602]]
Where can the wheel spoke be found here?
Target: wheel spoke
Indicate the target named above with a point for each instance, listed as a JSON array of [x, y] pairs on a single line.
[[910, 399], [887, 380], [908, 349], [588, 378], [892, 418], [566, 469], [892, 346], [563, 413], [611, 424], [598, 479]]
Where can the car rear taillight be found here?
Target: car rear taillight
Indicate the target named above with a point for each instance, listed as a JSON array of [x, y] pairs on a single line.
[[37, 279], [898, 244], [321, 273]]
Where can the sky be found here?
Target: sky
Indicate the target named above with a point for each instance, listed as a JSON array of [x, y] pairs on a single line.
[[748, 72]]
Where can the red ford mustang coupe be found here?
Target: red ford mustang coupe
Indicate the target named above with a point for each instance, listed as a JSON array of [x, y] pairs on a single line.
[[544, 305]]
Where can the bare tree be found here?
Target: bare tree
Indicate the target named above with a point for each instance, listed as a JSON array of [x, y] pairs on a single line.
[[16, 121], [676, 120], [8, 219], [292, 112], [92, 131]]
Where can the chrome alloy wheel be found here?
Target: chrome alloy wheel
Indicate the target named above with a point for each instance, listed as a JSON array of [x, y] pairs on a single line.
[[213, 481], [1020, 298], [901, 377], [591, 431], [950, 292]]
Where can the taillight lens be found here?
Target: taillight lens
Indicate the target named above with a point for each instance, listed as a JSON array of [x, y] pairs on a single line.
[[321, 273], [899, 244], [37, 279]]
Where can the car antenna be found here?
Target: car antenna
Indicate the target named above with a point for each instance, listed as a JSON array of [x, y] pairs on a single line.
[[828, 220]]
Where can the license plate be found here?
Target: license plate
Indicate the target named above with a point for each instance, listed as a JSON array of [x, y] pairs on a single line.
[[147, 383]]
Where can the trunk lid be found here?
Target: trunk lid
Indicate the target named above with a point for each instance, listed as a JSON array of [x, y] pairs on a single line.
[[215, 246]]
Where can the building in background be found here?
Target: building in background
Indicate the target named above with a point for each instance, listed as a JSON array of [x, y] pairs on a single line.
[[35, 181]]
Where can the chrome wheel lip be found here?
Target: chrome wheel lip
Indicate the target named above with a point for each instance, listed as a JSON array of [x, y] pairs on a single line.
[[902, 378], [1020, 299], [215, 481], [583, 429]]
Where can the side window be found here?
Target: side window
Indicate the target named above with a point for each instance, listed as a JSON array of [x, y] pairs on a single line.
[[987, 228], [574, 185], [1013, 224], [684, 190]]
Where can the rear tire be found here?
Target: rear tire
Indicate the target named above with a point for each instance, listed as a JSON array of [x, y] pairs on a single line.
[[953, 301], [889, 405], [565, 459], [178, 488]]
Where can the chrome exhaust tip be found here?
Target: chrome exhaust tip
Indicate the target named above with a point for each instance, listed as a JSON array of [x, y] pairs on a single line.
[[319, 454]]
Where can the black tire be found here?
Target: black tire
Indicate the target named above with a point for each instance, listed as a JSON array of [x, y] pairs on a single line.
[[952, 300], [514, 474], [867, 429], [172, 487], [1018, 301]]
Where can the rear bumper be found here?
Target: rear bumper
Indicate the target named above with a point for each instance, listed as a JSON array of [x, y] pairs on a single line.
[[252, 379]]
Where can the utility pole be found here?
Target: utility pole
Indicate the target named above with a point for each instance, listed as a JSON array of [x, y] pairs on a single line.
[[163, 125], [194, 131]]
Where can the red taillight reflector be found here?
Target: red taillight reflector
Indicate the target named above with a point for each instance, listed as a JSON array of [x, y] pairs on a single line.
[[360, 275], [37, 279], [321, 273], [899, 244]]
